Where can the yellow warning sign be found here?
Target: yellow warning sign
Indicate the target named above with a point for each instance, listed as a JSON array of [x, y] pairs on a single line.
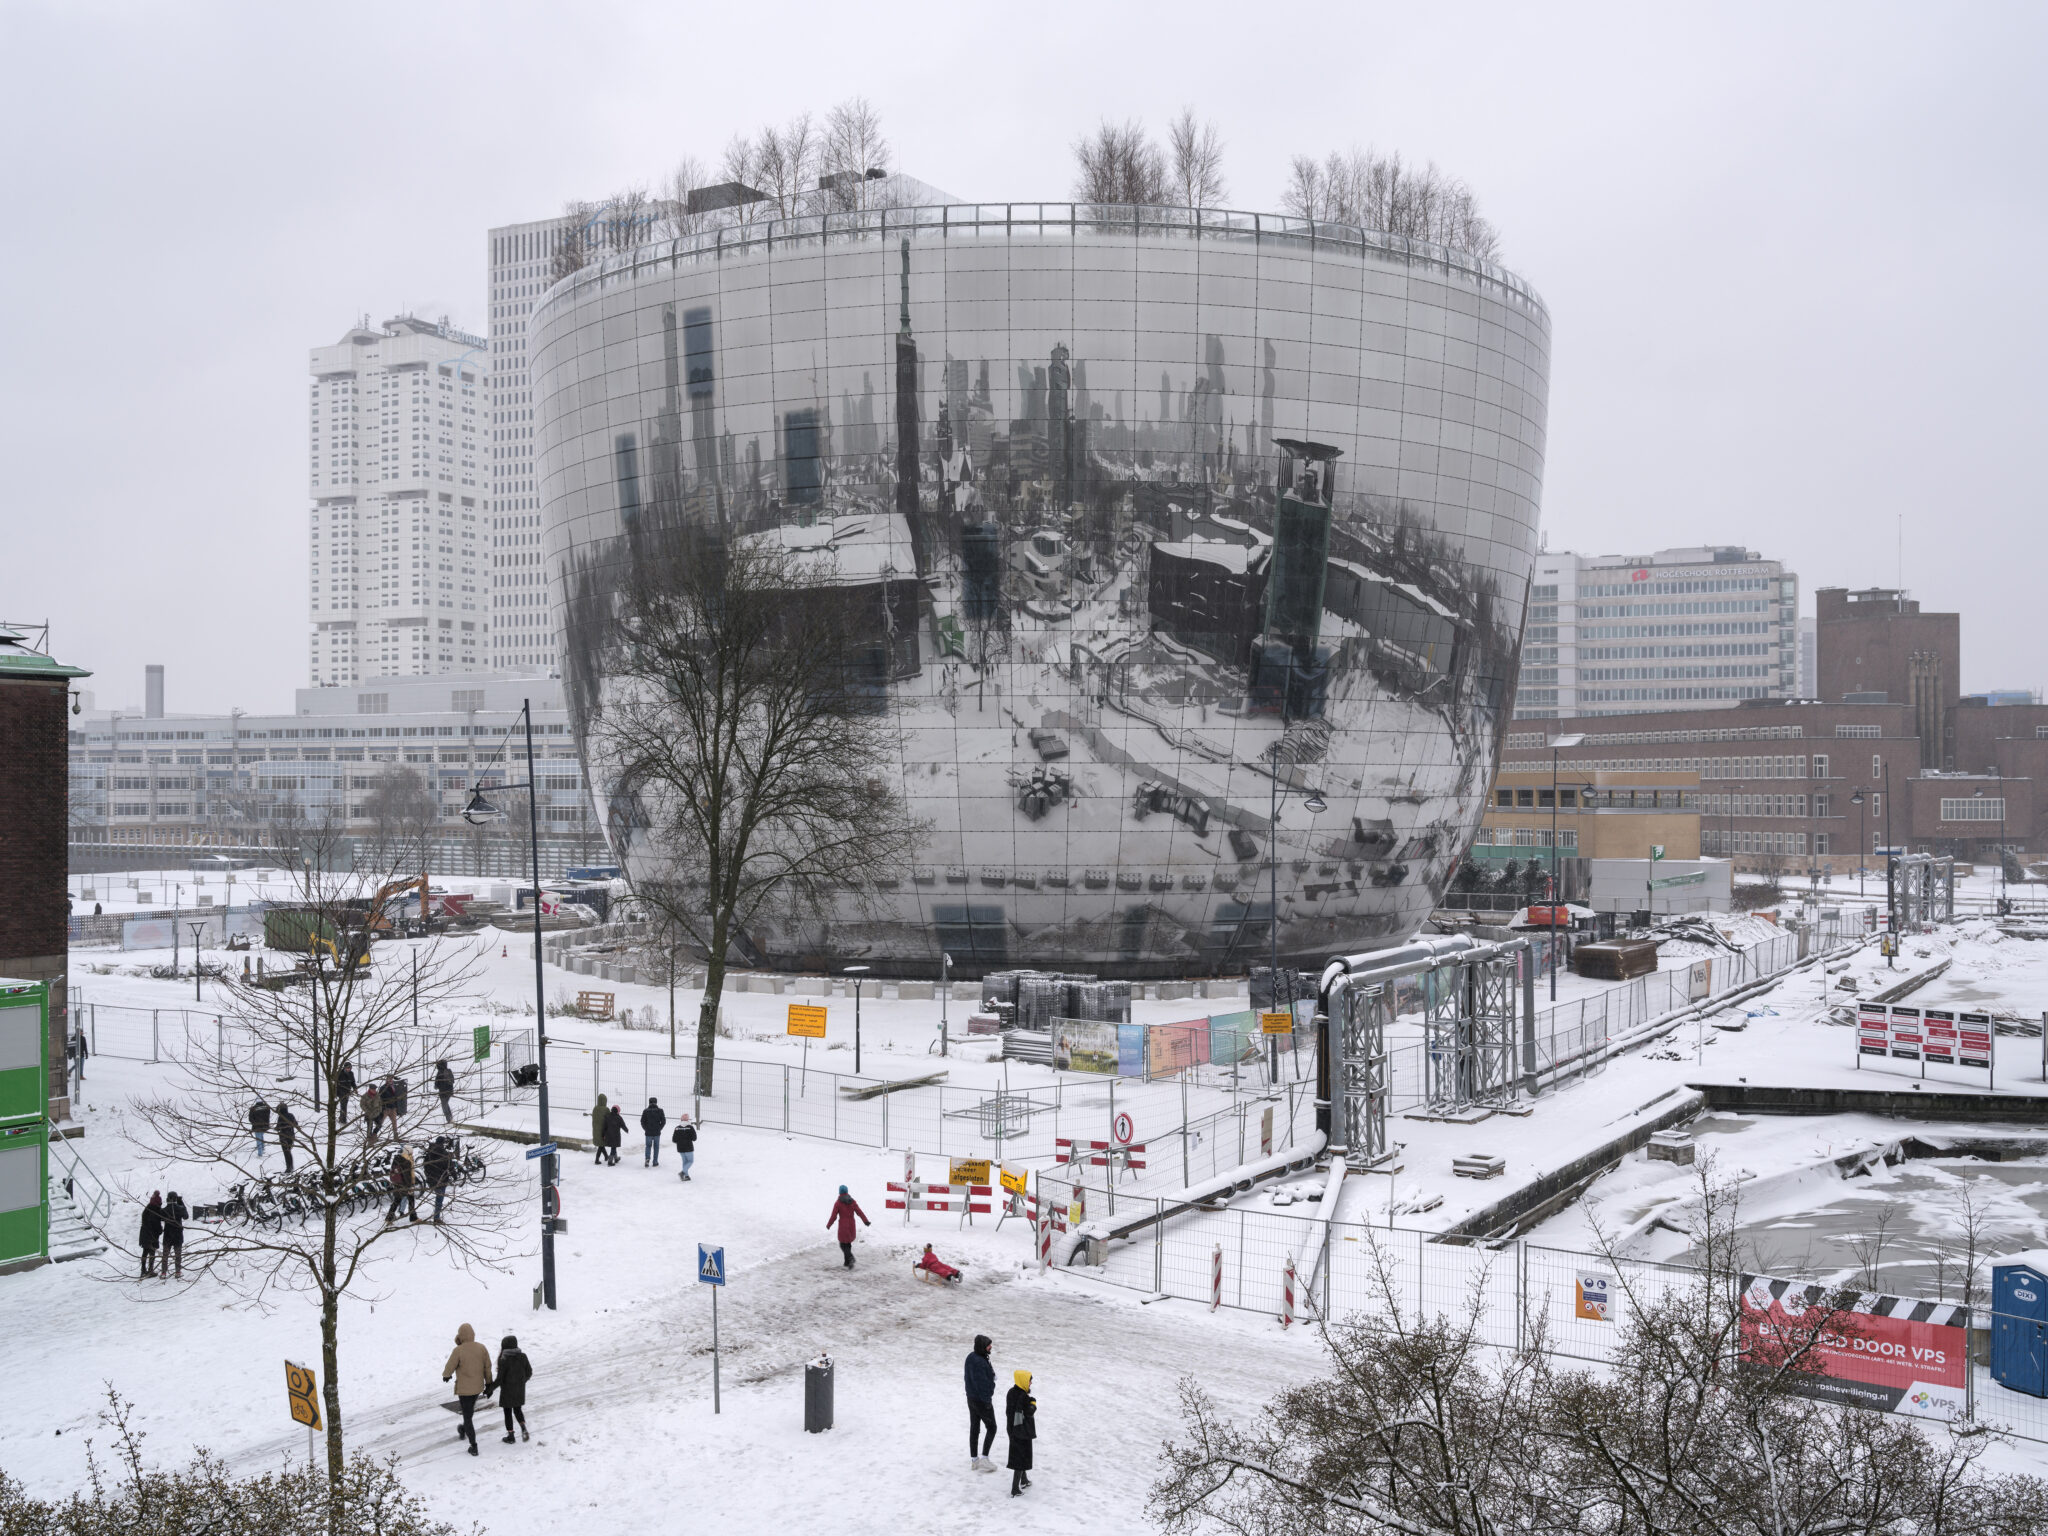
[[808, 1020], [1014, 1183], [302, 1387], [1277, 1023], [969, 1170]]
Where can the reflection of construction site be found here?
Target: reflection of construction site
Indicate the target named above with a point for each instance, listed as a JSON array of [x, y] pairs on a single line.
[[1114, 648]]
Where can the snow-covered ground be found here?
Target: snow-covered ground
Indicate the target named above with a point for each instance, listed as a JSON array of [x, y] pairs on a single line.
[[621, 1402]]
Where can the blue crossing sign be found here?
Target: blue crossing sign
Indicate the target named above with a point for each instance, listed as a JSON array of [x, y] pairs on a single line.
[[710, 1265]]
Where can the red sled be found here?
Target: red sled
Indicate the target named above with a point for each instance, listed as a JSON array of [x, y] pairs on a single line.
[[931, 1267]]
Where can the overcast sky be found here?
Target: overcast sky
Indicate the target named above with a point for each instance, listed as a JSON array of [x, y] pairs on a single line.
[[1793, 255]]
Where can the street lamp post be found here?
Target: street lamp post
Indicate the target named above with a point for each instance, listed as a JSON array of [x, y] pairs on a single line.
[[945, 996], [1862, 836], [1571, 739], [480, 812], [1315, 805], [856, 972]]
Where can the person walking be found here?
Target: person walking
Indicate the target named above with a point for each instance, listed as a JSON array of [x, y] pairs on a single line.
[[844, 1209], [152, 1231], [614, 1135], [402, 1187], [344, 1088], [78, 1054], [600, 1117], [652, 1119], [470, 1366], [259, 1123], [174, 1236], [1020, 1417], [514, 1372], [444, 1090], [387, 1101], [287, 1131], [440, 1171], [373, 1111], [402, 1090], [981, 1404], [685, 1139]]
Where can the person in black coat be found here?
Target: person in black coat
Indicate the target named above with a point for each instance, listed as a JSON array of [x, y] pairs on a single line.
[[387, 1102], [444, 1089], [287, 1131], [981, 1405], [514, 1372], [1020, 1418], [652, 1119], [402, 1187], [685, 1139], [614, 1135], [439, 1169], [152, 1231], [344, 1090], [174, 1235], [259, 1122]]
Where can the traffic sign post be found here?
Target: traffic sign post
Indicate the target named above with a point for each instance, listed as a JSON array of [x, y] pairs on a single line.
[[808, 1021], [301, 1388], [711, 1272]]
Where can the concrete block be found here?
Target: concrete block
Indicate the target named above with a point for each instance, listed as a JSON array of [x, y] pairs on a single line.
[[914, 991], [1173, 991], [809, 986]]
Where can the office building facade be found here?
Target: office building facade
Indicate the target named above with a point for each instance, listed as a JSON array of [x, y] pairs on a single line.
[[1875, 646], [1675, 630], [522, 619], [1201, 513], [395, 528]]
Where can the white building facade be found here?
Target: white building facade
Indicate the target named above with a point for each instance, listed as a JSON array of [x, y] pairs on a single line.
[[1680, 629], [521, 619], [396, 523]]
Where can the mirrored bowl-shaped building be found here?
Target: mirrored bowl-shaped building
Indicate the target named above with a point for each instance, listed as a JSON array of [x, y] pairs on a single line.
[[1196, 548]]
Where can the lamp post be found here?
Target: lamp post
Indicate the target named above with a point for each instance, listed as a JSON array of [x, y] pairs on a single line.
[[1315, 805], [856, 972], [945, 995], [480, 812], [1862, 836], [1570, 739]]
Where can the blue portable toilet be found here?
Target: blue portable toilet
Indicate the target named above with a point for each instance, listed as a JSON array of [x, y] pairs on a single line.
[[2019, 1322]]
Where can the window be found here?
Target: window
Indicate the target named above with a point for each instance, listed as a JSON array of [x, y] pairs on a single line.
[[1546, 799], [1820, 765], [1876, 767], [1974, 808], [1568, 798], [1525, 797], [1870, 731], [373, 703]]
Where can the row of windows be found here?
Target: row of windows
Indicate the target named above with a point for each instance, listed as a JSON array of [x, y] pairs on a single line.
[[1524, 837]]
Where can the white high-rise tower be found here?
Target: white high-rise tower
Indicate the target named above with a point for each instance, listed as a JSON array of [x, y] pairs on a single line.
[[397, 517], [521, 617]]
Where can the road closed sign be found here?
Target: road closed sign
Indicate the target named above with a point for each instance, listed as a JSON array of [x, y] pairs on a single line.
[[807, 1020]]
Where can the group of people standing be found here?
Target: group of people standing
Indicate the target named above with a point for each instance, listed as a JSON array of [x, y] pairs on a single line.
[[163, 1226], [437, 1169], [1020, 1416], [608, 1134], [386, 1101]]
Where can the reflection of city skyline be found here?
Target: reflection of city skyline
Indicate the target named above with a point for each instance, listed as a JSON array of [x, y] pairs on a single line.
[[1104, 614]]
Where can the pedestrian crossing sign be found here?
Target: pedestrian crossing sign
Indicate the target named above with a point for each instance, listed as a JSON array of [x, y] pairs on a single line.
[[710, 1265]]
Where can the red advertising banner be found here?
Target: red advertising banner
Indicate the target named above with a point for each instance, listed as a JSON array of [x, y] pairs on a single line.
[[1941, 1037], [1873, 1030], [1889, 1353]]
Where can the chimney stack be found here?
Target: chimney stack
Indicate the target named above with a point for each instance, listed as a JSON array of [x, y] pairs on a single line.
[[153, 693]]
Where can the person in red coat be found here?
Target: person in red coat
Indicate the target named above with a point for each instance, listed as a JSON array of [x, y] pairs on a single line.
[[844, 1209]]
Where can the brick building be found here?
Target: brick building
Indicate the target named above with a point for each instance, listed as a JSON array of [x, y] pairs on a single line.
[[1876, 647], [35, 694]]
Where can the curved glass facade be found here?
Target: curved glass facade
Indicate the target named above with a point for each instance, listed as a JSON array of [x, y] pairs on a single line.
[[1160, 525]]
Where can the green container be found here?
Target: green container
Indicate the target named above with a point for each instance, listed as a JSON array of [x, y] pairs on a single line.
[[24, 1050], [294, 928], [24, 1191]]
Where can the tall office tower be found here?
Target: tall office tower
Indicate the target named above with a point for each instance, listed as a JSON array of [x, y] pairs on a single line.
[[396, 537], [1680, 629], [522, 621]]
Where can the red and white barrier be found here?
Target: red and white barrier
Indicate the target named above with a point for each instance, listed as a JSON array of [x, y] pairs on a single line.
[[1287, 1296], [916, 1195], [1097, 1153], [1216, 1278]]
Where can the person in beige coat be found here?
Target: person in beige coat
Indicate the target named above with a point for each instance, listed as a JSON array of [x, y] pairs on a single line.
[[470, 1365]]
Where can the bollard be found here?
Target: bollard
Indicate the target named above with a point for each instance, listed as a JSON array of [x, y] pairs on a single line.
[[818, 1395], [1287, 1295], [1216, 1278]]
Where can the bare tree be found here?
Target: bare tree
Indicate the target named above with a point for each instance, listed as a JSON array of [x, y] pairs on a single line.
[[687, 176], [747, 739], [853, 147], [741, 165], [573, 248], [1118, 164], [402, 812], [1874, 1244], [323, 1229], [1197, 153], [1380, 192], [1696, 1427], [786, 159]]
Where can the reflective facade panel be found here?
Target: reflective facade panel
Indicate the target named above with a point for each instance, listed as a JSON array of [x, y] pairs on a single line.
[[1168, 523]]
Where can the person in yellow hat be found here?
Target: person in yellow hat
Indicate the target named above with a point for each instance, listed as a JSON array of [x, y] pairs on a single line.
[[1020, 1418]]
